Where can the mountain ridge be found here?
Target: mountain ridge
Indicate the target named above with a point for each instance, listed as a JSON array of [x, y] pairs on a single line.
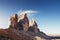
[[20, 28]]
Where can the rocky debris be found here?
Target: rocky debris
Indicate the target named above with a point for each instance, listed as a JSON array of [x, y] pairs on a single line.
[[20, 28]]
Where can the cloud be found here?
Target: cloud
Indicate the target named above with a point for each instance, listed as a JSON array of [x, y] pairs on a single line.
[[30, 13], [27, 11]]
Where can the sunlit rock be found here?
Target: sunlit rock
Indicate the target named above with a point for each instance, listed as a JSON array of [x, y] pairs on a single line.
[[13, 21], [20, 28], [23, 22], [33, 26]]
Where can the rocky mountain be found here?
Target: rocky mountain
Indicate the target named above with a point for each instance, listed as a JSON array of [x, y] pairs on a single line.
[[20, 28], [33, 26], [23, 21]]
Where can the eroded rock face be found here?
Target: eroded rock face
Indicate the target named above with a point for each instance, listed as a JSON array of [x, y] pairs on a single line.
[[13, 21], [18, 27], [23, 22], [33, 26]]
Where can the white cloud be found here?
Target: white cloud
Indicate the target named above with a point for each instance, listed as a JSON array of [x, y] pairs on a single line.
[[30, 13], [27, 11]]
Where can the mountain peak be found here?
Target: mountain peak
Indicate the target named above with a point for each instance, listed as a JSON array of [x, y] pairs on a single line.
[[22, 16], [31, 22], [23, 21], [33, 26], [13, 21]]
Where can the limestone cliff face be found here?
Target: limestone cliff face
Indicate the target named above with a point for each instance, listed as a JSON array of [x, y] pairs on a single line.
[[20, 28], [23, 21], [33, 26], [13, 21]]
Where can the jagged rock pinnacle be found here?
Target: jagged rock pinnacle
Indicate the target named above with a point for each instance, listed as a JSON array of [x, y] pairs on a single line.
[[22, 16], [13, 21], [23, 21], [33, 26], [15, 16], [31, 22]]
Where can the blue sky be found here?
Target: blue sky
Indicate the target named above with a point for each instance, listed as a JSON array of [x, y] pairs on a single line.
[[47, 15]]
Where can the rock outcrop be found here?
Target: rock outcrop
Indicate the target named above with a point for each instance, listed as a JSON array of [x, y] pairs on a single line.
[[23, 22], [20, 28], [33, 26], [13, 21]]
